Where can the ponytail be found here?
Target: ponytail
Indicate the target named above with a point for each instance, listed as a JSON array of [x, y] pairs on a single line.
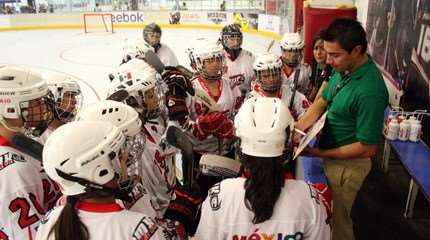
[[264, 185], [69, 226]]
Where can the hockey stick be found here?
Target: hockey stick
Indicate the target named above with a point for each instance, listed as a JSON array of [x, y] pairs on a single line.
[[177, 138], [187, 73], [206, 100], [270, 45], [154, 61], [28, 146], [216, 165]]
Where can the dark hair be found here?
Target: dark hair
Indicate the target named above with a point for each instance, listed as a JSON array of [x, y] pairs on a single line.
[[69, 226], [347, 32], [316, 38], [264, 185]]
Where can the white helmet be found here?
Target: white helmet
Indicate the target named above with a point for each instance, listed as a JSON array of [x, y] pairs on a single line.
[[19, 86], [135, 49], [262, 124], [292, 49], [67, 97], [292, 42], [83, 156], [137, 77], [267, 68], [119, 114], [128, 121], [206, 49]]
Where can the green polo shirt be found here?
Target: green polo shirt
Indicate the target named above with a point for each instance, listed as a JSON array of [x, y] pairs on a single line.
[[356, 113]]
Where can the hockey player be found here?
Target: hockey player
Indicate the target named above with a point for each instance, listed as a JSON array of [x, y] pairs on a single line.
[[292, 53], [212, 129], [239, 61], [268, 68], [128, 121], [152, 35], [146, 96], [263, 204], [87, 159], [66, 102], [26, 192], [211, 110]]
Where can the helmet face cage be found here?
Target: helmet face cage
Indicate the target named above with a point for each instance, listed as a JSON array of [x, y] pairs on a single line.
[[152, 35], [228, 36], [231, 31], [36, 115], [129, 164], [269, 79], [200, 62], [66, 104], [148, 104], [292, 57]]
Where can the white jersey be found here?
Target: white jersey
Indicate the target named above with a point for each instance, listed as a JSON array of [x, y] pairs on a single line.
[[167, 56], [240, 71], [303, 82], [141, 200], [110, 222], [158, 167], [300, 103], [298, 214], [229, 100], [26, 194]]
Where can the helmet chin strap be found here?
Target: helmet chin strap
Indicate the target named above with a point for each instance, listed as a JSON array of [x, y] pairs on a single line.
[[90, 186], [156, 47], [233, 53]]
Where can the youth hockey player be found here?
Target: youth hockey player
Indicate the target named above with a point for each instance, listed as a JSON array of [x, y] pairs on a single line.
[[146, 96], [292, 54], [152, 35], [26, 192], [268, 68], [87, 159], [263, 204], [128, 121], [239, 61], [212, 129], [66, 101]]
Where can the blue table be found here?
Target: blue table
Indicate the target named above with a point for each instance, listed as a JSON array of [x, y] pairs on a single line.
[[415, 157]]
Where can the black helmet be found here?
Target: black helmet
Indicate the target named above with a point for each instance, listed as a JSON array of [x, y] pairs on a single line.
[[229, 31], [152, 28]]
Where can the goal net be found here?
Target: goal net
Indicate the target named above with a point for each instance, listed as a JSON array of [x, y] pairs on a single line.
[[98, 22]]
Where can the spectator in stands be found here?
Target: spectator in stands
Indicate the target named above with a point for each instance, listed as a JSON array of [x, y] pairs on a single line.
[[222, 6], [184, 6], [320, 70], [97, 8], [355, 99]]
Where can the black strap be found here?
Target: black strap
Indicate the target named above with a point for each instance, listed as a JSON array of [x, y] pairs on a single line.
[[296, 79], [342, 83]]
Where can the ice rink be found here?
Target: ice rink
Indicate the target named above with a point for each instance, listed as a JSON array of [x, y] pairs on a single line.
[[91, 57]]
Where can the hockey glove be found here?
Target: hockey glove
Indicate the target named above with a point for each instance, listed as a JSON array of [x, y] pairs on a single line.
[[177, 108], [209, 124], [185, 208], [179, 85], [225, 130]]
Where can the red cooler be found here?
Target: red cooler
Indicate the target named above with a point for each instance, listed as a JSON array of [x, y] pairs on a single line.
[[316, 19]]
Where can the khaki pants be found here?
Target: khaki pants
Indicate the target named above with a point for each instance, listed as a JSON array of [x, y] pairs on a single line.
[[345, 177]]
